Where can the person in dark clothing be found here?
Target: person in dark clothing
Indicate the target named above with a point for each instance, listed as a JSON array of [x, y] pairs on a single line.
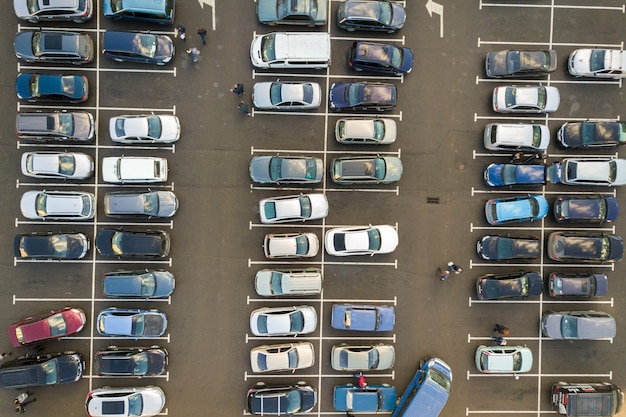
[[202, 33]]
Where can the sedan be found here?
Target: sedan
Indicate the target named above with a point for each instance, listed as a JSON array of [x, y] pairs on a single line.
[[526, 99], [43, 46], [362, 96], [281, 400], [526, 208], [585, 208], [293, 208], [362, 357], [286, 170], [597, 63], [130, 361], [504, 248], [592, 134], [379, 16], [366, 131], [283, 321], [380, 57], [147, 204], [51, 246], [144, 48], [288, 12], [581, 284], [361, 240], [164, 128], [49, 326], [518, 284], [37, 88], [58, 205], [144, 283], [125, 402], [516, 63], [370, 399], [368, 318], [291, 245], [77, 11], [504, 359], [366, 170], [584, 247], [599, 171], [501, 175], [66, 165], [283, 95], [282, 357], [578, 325], [125, 244], [131, 323]]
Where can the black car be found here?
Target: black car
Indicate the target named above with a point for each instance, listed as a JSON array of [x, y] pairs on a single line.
[[145, 204], [380, 57], [381, 15], [51, 246], [592, 134], [131, 244], [53, 46], [585, 247], [585, 209], [502, 248], [130, 361], [360, 96], [281, 400], [582, 284], [145, 283], [147, 48], [52, 87], [518, 284], [44, 369], [516, 63]]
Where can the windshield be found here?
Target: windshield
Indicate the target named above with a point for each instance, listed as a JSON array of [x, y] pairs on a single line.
[[569, 327], [59, 245], [67, 164], [138, 324], [49, 370], [57, 325], [267, 47], [146, 44], [302, 245], [541, 97], [154, 127], [68, 84], [148, 284], [294, 400], [297, 321], [305, 206], [66, 124], [135, 405], [374, 239], [140, 363], [612, 171], [596, 63], [386, 13]]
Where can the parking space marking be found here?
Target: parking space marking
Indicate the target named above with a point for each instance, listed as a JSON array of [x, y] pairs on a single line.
[[328, 77], [165, 376], [171, 148], [548, 155], [169, 223], [141, 339], [540, 301], [401, 39], [279, 262], [261, 375], [574, 192], [19, 184], [551, 6], [320, 338], [536, 375], [16, 299], [552, 44], [534, 81], [324, 152], [301, 189]]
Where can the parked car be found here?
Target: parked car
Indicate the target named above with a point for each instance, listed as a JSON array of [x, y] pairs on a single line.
[[286, 12], [131, 244], [286, 169], [282, 357], [585, 208], [46, 369], [160, 128], [140, 47], [288, 282], [597, 63], [578, 325], [47, 326], [578, 284], [504, 248], [290, 245], [286, 95], [293, 208], [147, 204], [283, 321], [370, 399], [58, 205], [60, 165], [380, 15], [366, 131], [504, 359], [366, 169], [125, 401], [585, 247], [131, 323], [51, 246], [55, 126], [361, 240], [362, 357], [152, 11], [130, 361], [590, 134], [36, 88], [77, 11], [510, 285], [362, 96], [53, 46], [519, 63], [598, 171], [501, 175], [134, 169], [523, 208], [516, 137], [144, 283], [526, 99], [369, 318], [281, 400], [380, 57]]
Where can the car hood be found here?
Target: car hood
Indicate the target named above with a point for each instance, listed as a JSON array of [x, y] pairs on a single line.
[[22, 85], [399, 15], [170, 128], [263, 281], [551, 325], [338, 95], [553, 99], [261, 95], [388, 239], [103, 242], [393, 168], [260, 169], [70, 368], [497, 63], [580, 60], [407, 60], [168, 203], [21, 8], [165, 283], [155, 324], [153, 402], [83, 125], [165, 49], [23, 44], [157, 360]]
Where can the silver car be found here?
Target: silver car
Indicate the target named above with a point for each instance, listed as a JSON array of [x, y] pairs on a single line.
[[366, 131], [77, 11], [125, 401], [286, 169], [291, 245], [282, 357], [58, 126], [140, 204], [288, 282], [282, 95], [163, 128], [283, 321], [526, 99], [63, 165], [362, 357], [598, 171], [504, 359], [578, 325], [293, 208], [58, 205]]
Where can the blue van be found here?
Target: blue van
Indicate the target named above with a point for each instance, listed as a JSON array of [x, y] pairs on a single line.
[[155, 11], [427, 392]]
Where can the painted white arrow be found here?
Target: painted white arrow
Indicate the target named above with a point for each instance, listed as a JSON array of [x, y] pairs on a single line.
[[210, 3], [432, 7]]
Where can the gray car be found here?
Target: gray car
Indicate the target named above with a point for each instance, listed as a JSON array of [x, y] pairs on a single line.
[[131, 323], [290, 12], [58, 205], [77, 11], [366, 170], [282, 95], [57, 126], [145, 283], [362, 357], [140, 204], [61, 165], [578, 325], [379, 16], [286, 169], [53, 46], [516, 63]]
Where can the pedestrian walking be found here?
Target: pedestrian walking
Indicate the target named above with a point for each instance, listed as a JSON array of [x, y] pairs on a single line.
[[194, 53], [443, 275], [4, 355], [238, 89], [500, 341], [454, 267], [21, 398], [179, 31], [361, 380], [501, 329], [243, 107], [202, 33]]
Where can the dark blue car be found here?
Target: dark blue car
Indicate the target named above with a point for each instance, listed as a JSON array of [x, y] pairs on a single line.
[[585, 209], [380, 57], [363, 317], [361, 96], [52, 87], [147, 48], [512, 285], [499, 175], [371, 399], [145, 283]]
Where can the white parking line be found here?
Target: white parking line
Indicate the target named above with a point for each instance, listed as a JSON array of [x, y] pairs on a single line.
[[548, 155], [535, 81], [550, 6], [553, 44], [165, 376], [401, 39], [76, 300], [574, 191], [355, 152], [261, 375], [170, 223], [393, 301], [282, 262], [399, 77], [537, 301], [535, 375], [142, 147], [307, 338]]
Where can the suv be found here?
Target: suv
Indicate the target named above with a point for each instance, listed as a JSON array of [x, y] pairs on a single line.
[[516, 137], [578, 325], [380, 57], [77, 11], [145, 283], [133, 244], [147, 48], [61, 126], [134, 169], [154, 11], [286, 282], [53, 46], [598, 171], [41, 370], [362, 96], [130, 361], [381, 16], [122, 402], [281, 400], [146, 204]]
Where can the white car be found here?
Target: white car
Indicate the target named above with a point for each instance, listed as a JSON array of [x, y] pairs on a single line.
[[64, 165], [125, 401], [58, 205], [526, 99], [597, 63], [366, 131], [291, 245], [361, 240], [282, 357], [163, 128], [288, 282], [516, 137], [283, 321], [134, 169], [281, 95], [293, 208], [362, 357], [504, 359], [599, 171]]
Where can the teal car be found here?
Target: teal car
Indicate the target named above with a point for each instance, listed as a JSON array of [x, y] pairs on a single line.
[[371, 399], [524, 208], [292, 12]]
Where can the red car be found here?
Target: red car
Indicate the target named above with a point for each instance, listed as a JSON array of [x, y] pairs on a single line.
[[53, 325]]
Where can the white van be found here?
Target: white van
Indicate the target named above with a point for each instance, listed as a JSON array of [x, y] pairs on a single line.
[[291, 50], [516, 137], [132, 169], [288, 282]]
